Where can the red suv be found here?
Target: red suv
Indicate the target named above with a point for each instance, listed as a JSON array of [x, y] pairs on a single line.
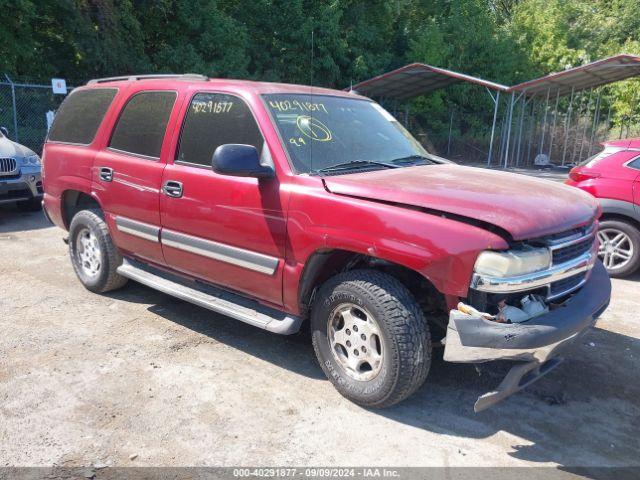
[[613, 176], [281, 204]]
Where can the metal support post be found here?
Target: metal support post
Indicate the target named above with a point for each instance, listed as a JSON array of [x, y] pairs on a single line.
[[496, 101], [506, 151], [586, 125], [553, 128], [567, 126], [544, 121], [450, 127], [594, 124], [15, 110]]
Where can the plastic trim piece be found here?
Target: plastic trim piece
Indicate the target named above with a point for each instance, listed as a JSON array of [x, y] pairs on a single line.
[[138, 229], [220, 251]]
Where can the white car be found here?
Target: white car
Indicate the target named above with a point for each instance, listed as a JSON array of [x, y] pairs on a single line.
[[20, 174]]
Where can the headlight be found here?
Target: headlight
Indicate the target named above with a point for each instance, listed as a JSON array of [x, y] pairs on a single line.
[[513, 262], [31, 160]]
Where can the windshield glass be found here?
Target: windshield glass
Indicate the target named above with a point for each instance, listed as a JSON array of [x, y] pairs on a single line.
[[321, 131]]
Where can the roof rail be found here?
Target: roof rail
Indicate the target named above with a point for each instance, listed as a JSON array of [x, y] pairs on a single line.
[[184, 76]]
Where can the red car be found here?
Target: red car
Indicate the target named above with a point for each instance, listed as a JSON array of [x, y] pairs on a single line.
[[281, 204], [613, 176]]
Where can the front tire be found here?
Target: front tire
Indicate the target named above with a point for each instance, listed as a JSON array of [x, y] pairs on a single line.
[[93, 255], [619, 247], [370, 337]]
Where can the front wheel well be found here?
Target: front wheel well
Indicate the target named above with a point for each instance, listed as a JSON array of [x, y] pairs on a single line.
[[620, 217], [74, 201], [324, 264]]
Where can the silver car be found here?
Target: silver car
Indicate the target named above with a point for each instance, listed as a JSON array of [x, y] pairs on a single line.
[[20, 174]]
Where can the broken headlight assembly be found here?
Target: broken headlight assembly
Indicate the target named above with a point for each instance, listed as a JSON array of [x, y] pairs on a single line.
[[512, 263]]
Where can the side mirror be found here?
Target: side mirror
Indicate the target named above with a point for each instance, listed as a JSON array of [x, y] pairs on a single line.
[[239, 161], [4, 131]]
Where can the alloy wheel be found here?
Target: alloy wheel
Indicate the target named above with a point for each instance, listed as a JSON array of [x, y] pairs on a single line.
[[355, 340], [615, 249], [88, 252]]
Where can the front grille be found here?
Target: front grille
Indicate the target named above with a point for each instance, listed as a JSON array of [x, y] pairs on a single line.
[[564, 254], [8, 166], [566, 285]]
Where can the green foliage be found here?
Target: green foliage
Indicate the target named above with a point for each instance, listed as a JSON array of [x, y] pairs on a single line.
[[506, 41]]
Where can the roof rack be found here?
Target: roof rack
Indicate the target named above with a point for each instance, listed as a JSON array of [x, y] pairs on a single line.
[[184, 76]]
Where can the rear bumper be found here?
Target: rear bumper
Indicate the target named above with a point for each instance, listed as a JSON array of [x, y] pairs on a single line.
[[536, 341]]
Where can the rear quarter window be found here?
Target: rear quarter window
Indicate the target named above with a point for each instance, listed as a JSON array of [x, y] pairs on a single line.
[[634, 163], [80, 115]]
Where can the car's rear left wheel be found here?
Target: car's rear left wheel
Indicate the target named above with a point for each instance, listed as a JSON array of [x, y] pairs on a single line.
[[94, 257]]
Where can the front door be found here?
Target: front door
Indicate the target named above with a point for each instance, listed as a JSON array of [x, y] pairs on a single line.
[[128, 173], [226, 230]]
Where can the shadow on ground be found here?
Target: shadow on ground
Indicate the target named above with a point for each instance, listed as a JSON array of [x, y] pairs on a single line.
[[14, 220], [587, 408]]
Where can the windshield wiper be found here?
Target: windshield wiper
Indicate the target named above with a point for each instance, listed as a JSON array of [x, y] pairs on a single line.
[[354, 164]]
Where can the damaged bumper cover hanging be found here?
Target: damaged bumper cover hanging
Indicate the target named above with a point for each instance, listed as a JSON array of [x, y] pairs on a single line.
[[536, 342]]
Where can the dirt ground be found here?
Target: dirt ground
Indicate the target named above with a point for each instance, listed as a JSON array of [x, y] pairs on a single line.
[[136, 377]]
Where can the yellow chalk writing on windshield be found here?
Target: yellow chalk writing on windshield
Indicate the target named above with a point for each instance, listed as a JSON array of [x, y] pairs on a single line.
[[313, 128]]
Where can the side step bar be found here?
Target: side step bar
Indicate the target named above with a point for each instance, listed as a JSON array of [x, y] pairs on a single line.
[[212, 298]]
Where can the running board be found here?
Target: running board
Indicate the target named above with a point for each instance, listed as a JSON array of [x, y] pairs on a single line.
[[212, 298]]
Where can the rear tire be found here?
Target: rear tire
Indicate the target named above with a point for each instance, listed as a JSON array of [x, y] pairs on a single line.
[[351, 310], [93, 255], [618, 240]]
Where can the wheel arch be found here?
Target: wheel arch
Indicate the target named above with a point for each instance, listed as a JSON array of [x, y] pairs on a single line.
[[325, 263], [620, 217], [72, 201], [620, 210]]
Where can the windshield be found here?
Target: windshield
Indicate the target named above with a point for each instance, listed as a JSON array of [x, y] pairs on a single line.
[[321, 131]]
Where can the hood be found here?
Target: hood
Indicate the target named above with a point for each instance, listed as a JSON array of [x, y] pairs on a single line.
[[9, 149], [525, 207]]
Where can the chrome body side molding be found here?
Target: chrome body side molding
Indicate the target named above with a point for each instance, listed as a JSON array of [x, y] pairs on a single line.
[[138, 229], [220, 251]]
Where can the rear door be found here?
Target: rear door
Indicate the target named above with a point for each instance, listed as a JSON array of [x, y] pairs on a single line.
[[128, 172], [227, 230]]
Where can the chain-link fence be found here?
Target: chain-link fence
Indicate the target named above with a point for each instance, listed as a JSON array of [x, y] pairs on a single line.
[[23, 110]]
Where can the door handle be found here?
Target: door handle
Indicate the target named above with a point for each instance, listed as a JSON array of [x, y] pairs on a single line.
[[171, 188], [106, 174]]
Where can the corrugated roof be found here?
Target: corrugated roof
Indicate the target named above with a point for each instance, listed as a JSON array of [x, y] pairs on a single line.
[[416, 79], [594, 74]]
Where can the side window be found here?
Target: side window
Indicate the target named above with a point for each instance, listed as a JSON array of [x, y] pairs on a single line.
[[634, 163], [143, 123], [80, 115], [215, 119]]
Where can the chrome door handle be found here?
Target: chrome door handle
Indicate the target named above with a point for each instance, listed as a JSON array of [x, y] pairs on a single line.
[[171, 188], [106, 174]]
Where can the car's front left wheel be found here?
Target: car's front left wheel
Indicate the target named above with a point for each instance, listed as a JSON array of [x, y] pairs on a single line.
[[94, 257], [370, 337]]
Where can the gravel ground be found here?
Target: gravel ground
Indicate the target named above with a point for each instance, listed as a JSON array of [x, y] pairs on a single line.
[[137, 378]]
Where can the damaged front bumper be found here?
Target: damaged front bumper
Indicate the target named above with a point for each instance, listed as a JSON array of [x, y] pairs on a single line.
[[472, 339]]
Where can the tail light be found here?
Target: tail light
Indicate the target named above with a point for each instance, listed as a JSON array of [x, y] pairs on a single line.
[[579, 175]]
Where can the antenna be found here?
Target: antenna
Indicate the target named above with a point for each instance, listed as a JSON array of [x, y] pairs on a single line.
[[311, 98], [312, 59]]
